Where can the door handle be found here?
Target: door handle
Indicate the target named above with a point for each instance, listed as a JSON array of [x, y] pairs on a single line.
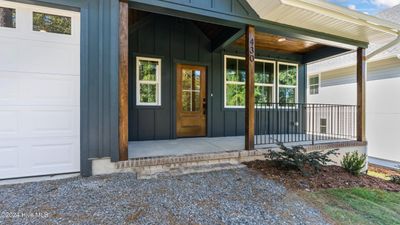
[[204, 106]]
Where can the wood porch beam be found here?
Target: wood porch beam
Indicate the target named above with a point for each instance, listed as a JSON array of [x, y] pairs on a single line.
[[220, 44], [141, 23], [123, 79], [361, 84], [250, 105]]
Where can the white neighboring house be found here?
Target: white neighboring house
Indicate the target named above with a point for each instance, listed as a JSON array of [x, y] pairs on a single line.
[[334, 81]]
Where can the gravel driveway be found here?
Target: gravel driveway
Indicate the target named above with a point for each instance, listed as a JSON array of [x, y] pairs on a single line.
[[238, 196]]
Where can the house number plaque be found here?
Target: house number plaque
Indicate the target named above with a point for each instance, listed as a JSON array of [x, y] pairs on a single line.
[[252, 55]]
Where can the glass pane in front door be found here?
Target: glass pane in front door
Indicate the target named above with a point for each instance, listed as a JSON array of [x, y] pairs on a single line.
[[191, 86]]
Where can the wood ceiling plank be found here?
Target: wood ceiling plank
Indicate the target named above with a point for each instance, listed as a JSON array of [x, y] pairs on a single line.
[[266, 41]]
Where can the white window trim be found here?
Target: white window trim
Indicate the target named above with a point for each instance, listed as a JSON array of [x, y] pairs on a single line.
[[157, 82], [5, 5], [309, 85], [53, 13], [244, 83], [288, 86]]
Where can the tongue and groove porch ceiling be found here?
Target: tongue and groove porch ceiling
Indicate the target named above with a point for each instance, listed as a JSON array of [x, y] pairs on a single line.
[[281, 44], [224, 36]]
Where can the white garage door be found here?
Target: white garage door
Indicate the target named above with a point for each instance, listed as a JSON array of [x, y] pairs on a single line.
[[39, 90]]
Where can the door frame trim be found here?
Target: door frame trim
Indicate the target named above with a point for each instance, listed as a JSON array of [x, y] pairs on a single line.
[[173, 87]]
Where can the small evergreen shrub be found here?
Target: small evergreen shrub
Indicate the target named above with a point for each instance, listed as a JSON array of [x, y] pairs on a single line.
[[396, 178], [354, 163], [298, 158]]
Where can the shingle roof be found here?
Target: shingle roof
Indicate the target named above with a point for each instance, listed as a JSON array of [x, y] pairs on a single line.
[[391, 14]]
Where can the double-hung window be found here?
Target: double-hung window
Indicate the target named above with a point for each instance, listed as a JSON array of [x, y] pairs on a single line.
[[264, 76], [148, 81], [313, 84], [287, 82], [235, 79]]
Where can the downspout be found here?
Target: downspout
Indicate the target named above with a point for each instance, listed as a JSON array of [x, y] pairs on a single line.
[[383, 48]]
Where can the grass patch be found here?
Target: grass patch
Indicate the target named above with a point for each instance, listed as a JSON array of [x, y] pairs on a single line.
[[358, 205]]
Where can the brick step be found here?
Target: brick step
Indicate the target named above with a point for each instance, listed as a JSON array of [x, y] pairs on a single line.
[[178, 171], [152, 167]]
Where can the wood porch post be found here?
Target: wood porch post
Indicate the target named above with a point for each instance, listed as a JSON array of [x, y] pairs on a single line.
[[250, 64], [361, 83], [123, 79]]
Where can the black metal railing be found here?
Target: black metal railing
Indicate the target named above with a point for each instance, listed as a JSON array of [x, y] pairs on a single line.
[[303, 122]]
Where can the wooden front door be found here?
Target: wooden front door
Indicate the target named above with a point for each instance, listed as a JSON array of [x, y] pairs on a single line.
[[191, 101]]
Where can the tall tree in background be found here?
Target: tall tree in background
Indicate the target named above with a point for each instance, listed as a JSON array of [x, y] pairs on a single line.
[[6, 17]]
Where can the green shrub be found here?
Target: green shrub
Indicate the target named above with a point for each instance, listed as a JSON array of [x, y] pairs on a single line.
[[396, 178], [298, 158], [354, 162]]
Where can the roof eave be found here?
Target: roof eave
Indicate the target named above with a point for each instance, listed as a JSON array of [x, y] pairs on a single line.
[[347, 14]]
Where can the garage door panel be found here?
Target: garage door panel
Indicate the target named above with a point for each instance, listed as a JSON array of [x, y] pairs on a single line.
[[10, 52], [10, 164], [43, 121], [9, 89], [51, 58], [39, 56], [52, 122], [50, 90], [17, 88], [57, 155], [9, 159], [38, 156], [9, 124]]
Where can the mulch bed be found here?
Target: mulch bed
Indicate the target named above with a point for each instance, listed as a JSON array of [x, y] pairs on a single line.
[[328, 177], [384, 170]]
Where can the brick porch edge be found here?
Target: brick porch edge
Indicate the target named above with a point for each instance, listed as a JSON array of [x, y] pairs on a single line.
[[238, 156]]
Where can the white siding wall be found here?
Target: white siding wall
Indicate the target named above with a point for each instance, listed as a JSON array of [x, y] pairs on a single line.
[[383, 103]]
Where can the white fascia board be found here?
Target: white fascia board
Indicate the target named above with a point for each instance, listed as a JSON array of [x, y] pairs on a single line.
[[345, 14]]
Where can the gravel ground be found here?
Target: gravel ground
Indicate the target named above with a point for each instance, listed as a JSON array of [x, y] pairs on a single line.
[[237, 196]]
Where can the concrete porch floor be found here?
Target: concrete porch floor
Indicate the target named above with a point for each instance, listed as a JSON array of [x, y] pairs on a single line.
[[184, 146]]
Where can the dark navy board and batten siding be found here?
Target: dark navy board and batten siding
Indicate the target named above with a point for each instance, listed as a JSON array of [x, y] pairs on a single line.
[[175, 40]]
